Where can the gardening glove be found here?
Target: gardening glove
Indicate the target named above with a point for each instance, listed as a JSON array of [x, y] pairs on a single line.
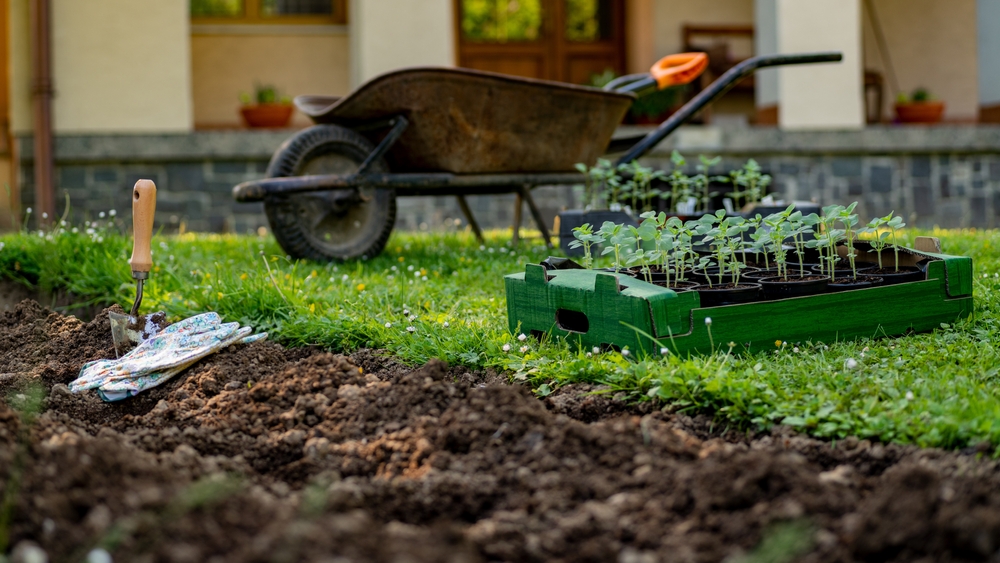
[[166, 354]]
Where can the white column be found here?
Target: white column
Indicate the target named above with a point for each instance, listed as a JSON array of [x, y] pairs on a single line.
[[766, 43], [389, 34], [988, 38], [828, 95]]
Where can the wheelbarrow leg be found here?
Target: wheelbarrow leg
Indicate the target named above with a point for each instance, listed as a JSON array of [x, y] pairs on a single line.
[[525, 193], [517, 218], [464, 206]]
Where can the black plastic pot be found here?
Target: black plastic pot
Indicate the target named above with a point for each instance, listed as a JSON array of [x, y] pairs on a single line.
[[728, 294], [891, 276], [784, 288], [847, 283], [568, 220]]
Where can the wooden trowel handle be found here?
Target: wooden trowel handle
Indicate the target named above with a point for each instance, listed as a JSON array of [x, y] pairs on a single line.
[[143, 209]]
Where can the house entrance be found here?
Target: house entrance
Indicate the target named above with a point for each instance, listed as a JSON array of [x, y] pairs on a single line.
[[563, 40]]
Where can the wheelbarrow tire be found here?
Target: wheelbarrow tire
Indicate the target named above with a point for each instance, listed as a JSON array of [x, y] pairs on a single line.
[[329, 225]]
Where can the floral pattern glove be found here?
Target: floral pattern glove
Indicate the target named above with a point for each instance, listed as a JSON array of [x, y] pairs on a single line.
[[160, 358]]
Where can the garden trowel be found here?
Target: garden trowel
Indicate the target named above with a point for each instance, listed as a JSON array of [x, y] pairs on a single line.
[[134, 328]]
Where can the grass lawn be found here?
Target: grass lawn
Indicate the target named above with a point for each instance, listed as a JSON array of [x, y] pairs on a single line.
[[442, 295]]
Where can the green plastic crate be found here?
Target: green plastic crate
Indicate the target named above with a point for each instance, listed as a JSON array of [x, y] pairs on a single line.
[[607, 310]]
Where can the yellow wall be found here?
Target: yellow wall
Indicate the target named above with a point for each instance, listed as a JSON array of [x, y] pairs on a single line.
[[389, 34], [222, 66], [20, 68], [931, 44], [671, 15], [121, 66]]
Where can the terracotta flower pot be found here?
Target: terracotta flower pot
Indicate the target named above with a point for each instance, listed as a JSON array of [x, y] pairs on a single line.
[[267, 115], [920, 112]]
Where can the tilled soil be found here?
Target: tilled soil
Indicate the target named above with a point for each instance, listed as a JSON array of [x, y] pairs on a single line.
[[261, 453]]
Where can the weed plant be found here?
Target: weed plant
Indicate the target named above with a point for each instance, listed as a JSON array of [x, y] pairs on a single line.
[[442, 295]]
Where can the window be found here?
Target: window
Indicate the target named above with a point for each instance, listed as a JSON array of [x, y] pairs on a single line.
[[269, 11], [500, 21]]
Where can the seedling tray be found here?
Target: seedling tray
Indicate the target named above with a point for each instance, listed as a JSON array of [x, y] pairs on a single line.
[[614, 311]]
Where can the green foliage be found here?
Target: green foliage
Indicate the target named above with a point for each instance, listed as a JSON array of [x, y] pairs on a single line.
[[936, 389], [918, 96], [216, 8], [264, 94], [501, 21]]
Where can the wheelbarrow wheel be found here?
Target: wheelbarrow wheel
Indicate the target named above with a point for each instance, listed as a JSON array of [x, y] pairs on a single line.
[[333, 224]]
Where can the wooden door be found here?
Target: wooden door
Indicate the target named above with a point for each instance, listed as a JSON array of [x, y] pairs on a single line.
[[563, 40]]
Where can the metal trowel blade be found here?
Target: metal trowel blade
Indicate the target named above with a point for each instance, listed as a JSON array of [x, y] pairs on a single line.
[[126, 329]]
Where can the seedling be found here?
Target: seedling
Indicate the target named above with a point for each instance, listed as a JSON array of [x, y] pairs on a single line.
[[617, 238], [752, 182], [894, 225], [586, 238], [702, 180], [849, 220], [680, 184], [878, 241]]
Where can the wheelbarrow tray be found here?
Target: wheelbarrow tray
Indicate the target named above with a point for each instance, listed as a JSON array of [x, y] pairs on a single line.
[[591, 308], [472, 122]]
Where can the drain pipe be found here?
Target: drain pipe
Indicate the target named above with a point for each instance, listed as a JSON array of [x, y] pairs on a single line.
[[41, 93]]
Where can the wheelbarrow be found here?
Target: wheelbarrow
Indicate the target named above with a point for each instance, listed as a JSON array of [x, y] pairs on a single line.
[[330, 191]]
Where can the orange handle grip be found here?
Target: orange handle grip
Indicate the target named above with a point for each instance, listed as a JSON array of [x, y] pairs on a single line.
[[682, 68], [143, 209]]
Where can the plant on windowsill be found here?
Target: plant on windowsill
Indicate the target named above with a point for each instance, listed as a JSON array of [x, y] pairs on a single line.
[[266, 108], [919, 107]]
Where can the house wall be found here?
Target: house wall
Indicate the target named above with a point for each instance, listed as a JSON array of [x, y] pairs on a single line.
[[20, 67], [670, 16], [931, 44], [389, 34], [295, 59], [988, 40]]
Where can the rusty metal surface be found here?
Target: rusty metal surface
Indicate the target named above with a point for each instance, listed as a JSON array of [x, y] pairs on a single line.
[[471, 122]]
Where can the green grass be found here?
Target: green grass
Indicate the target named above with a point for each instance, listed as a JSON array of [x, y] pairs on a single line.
[[935, 389]]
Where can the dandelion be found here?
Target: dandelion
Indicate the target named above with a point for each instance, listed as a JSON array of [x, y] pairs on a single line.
[[708, 321], [777, 344], [401, 258], [524, 349], [851, 363], [411, 329], [522, 337], [388, 325], [909, 395], [243, 276], [506, 347], [361, 287], [112, 213]]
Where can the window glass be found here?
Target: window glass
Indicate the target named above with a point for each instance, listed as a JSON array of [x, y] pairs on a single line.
[[217, 8], [296, 7], [588, 20], [501, 21]]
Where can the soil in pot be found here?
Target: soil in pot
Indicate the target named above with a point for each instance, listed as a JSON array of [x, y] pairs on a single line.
[[797, 286], [848, 283], [728, 294], [679, 286], [892, 275], [758, 274], [843, 267]]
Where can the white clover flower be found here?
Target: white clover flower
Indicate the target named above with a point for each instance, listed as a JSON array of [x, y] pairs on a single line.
[[909, 395], [481, 247], [112, 213], [406, 312], [411, 329], [393, 269], [524, 349], [506, 347], [101, 215], [412, 318], [708, 321], [522, 337], [409, 268], [62, 223], [625, 352], [28, 210], [75, 230], [388, 325], [345, 277], [455, 273], [795, 349], [100, 239], [446, 325], [851, 363], [390, 277], [664, 351], [423, 278], [45, 215], [491, 251], [596, 350], [416, 274]]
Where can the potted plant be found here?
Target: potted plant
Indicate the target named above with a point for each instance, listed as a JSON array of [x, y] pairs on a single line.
[[599, 195], [266, 108], [881, 229], [782, 227], [919, 107]]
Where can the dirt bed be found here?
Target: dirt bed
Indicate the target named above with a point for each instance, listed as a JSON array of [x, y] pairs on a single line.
[[262, 453]]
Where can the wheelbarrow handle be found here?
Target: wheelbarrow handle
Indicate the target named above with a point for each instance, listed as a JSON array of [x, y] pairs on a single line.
[[713, 92]]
